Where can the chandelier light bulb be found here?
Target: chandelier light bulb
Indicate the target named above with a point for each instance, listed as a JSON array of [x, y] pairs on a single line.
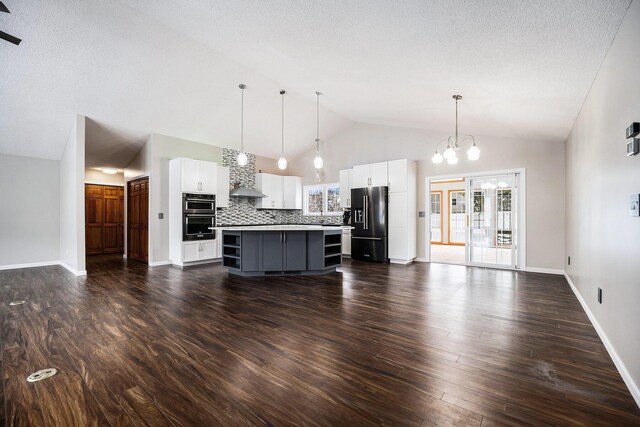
[[317, 161], [242, 159], [474, 152], [282, 162], [452, 160], [437, 157], [449, 153]]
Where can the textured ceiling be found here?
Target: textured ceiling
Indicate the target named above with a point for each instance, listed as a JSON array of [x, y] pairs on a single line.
[[173, 67]]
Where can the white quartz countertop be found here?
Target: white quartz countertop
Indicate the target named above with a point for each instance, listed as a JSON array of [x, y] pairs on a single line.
[[281, 228]]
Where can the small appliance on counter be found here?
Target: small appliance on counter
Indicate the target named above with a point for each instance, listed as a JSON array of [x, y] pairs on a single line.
[[346, 218], [369, 236]]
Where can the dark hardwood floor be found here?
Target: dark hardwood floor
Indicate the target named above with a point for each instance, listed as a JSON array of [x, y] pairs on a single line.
[[371, 345]]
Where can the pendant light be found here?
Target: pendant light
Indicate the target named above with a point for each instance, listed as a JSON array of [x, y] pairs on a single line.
[[317, 160], [454, 144], [282, 161], [242, 156]]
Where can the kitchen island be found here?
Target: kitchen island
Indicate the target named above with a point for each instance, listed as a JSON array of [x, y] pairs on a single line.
[[281, 249]]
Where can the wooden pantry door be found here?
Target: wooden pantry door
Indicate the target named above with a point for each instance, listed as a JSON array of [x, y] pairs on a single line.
[[104, 219], [138, 220]]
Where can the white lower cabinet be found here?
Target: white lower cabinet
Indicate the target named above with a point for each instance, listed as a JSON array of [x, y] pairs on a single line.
[[346, 241], [199, 251]]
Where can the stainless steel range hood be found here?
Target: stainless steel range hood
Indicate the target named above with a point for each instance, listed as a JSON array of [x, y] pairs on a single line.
[[249, 193]]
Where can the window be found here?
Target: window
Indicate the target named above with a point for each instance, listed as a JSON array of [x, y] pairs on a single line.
[[322, 199], [457, 217]]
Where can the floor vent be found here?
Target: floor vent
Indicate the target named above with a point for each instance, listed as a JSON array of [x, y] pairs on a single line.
[[42, 375]]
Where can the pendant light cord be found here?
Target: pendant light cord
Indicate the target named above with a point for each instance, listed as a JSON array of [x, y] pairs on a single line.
[[242, 121], [456, 142], [317, 119], [282, 92]]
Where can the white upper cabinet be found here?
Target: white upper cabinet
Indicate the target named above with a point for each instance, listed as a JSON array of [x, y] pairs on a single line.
[[372, 175], [292, 192], [398, 175], [222, 195], [190, 175], [360, 176], [346, 179], [378, 174], [283, 192], [198, 176], [208, 177]]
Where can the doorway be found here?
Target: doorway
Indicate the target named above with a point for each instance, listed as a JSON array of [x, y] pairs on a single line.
[[138, 220], [477, 219]]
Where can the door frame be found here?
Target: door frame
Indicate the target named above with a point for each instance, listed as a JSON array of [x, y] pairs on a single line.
[[521, 262], [126, 217]]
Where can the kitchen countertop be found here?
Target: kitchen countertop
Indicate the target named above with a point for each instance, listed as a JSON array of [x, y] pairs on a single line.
[[281, 227]]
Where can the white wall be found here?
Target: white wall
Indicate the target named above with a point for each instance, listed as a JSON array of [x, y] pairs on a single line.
[[72, 242], [30, 212], [544, 164], [602, 239], [92, 176]]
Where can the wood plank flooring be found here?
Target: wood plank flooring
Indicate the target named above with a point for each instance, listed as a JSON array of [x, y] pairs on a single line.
[[416, 345]]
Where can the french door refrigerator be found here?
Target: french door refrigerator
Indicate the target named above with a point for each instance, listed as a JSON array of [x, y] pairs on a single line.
[[369, 207]]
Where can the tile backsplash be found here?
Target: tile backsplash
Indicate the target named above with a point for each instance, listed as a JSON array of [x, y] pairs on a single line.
[[242, 211]]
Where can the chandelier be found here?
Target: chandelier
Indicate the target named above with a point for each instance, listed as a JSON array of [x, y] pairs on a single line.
[[454, 143]]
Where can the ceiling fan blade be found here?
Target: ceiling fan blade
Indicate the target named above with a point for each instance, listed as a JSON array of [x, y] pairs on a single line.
[[3, 8], [10, 38]]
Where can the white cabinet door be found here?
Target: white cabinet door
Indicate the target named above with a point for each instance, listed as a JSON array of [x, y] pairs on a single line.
[[378, 174], [208, 177], [190, 176], [292, 192], [346, 242], [360, 176], [208, 249], [398, 175], [272, 187], [222, 195], [346, 177], [190, 251], [398, 226]]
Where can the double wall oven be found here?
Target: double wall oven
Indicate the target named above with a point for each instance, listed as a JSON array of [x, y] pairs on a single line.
[[198, 216]]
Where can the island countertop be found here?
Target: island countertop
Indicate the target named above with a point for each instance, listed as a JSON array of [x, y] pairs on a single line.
[[281, 227]]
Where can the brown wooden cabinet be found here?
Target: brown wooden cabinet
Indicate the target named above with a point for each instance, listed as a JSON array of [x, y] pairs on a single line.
[[104, 219], [138, 220]]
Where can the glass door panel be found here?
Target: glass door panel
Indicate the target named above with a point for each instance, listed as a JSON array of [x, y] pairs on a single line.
[[492, 231], [457, 217], [436, 216]]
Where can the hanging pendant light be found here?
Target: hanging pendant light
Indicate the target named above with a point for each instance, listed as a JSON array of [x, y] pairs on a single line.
[[317, 160], [242, 156], [454, 144], [282, 161]]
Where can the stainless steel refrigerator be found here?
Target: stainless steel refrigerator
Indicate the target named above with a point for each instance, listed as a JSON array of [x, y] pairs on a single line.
[[369, 207]]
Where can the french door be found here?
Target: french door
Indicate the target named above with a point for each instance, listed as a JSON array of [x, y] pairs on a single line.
[[492, 218]]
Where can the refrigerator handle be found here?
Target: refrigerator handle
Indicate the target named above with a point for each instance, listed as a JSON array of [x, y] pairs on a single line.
[[365, 203]]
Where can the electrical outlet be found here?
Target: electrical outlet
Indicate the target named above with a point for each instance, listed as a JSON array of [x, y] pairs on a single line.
[[600, 295], [568, 260]]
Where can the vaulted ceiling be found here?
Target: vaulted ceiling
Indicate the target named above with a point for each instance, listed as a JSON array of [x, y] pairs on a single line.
[[173, 67]]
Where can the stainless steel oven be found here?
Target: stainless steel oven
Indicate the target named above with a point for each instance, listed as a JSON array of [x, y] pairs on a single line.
[[198, 203], [198, 227]]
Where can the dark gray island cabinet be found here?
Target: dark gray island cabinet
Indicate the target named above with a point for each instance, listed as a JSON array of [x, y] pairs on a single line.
[[280, 250]]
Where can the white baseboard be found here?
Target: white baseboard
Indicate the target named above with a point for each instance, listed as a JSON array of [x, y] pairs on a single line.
[[421, 260], [626, 377], [159, 263], [543, 270], [73, 270], [400, 261], [29, 265]]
